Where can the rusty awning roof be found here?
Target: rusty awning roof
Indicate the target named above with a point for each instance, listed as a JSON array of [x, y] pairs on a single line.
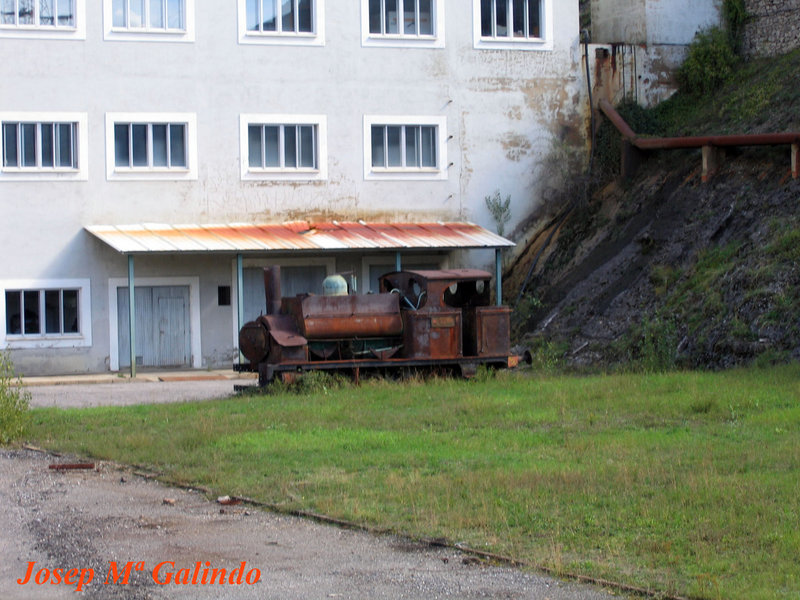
[[295, 236]]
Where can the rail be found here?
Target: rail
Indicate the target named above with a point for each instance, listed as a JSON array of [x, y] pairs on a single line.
[[711, 145]]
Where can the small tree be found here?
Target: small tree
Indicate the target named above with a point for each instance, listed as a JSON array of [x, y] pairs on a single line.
[[14, 402], [500, 209]]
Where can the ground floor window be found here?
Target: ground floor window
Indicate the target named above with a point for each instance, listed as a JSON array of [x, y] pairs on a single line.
[[40, 312], [53, 313]]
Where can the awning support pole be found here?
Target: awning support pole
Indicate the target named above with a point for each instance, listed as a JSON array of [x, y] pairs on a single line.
[[132, 314], [398, 264], [498, 274], [239, 299]]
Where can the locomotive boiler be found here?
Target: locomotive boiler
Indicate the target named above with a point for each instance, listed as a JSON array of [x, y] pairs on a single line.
[[420, 319]]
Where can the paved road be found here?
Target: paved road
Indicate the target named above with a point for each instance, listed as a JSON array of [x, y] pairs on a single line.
[[87, 519]]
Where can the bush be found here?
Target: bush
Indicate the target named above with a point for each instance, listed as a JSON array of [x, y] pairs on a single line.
[[710, 62], [14, 402], [652, 346]]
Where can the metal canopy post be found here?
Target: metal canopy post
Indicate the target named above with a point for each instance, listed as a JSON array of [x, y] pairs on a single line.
[[239, 299], [132, 314], [398, 264], [498, 274]]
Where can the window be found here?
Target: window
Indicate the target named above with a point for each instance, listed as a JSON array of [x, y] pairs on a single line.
[[36, 13], [520, 24], [403, 23], [52, 313], [149, 20], [41, 312], [153, 14], [42, 18], [38, 146], [283, 147], [151, 146], [399, 147], [281, 21]]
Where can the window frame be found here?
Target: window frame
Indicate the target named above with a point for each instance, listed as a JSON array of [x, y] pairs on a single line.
[[314, 38], [147, 34], [439, 172], [40, 173], [542, 43], [82, 338], [132, 173], [75, 32], [248, 173], [403, 40]]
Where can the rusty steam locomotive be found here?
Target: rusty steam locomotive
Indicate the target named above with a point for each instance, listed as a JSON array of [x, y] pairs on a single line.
[[420, 319]]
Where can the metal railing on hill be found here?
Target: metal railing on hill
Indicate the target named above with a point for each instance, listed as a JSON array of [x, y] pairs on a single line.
[[633, 145]]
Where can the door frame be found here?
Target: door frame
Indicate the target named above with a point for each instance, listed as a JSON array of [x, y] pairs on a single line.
[[194, 313]]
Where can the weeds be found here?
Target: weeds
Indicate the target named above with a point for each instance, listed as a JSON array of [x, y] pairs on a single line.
[[652, 346], [500, 210], [14, 402]]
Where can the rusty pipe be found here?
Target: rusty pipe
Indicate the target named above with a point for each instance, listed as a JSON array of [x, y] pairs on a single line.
[[667, 143], [272, 289]]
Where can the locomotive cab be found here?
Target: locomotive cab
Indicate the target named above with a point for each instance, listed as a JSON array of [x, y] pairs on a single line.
[[447, 313]]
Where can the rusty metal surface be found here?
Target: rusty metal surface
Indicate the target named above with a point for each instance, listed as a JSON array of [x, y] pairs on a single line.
[[272, 290], [339, 317], [432, 335], [253, 341], [283, 329], [487, 331], [429, 318], [295, 236]]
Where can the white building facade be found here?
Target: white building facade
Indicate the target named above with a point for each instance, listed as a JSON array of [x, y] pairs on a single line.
[[647, 41], [126, 112]]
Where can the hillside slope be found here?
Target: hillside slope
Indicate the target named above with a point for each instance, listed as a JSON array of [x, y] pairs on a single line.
[[665, 270]]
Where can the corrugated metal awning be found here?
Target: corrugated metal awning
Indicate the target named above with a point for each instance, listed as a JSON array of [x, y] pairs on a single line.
[[296, 236]]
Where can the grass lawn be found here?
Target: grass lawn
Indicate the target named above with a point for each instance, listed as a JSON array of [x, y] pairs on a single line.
[[686, 483]]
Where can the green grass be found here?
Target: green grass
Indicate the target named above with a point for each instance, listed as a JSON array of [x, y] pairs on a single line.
[[684, 483]]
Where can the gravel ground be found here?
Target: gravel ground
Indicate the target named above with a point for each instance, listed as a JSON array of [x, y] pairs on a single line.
[[126, 393], [87, 519]]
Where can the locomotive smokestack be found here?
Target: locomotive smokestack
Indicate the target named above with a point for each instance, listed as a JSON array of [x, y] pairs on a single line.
[[272, 289]]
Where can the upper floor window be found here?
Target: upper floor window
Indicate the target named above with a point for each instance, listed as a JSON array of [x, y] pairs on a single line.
[[405, 147], [151, 146], [403, 23], [522, 24], [43, 146], [283, 147], [281, 21], [45, 313], [42, 18], [149, 20], [38, 13]]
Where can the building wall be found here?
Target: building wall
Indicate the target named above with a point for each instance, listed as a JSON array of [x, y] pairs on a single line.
[[643, 42], [502, 109], [773, 27]]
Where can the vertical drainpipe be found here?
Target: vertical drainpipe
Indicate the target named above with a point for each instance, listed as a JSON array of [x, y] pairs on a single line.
[[398, 265], [239, 298], [498, 274], [132, 314]]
